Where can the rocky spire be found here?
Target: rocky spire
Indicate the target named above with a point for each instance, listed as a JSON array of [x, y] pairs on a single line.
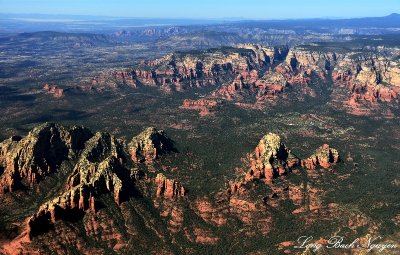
[[149, 144], [41, 152]]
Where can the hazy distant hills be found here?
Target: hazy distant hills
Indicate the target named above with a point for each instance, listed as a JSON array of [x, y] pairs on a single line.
[[390, 21], [37, 22], [89, 31]]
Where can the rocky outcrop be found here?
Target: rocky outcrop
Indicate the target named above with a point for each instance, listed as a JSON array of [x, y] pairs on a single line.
[[271, 159], [309, 60], [54, 90], [205, 106], [180, 71], [149, 145], [27, 160], [204, 237], [146, 77], [99, 170], [324, 157], [240, 87], [293, 76], [294, 68], [100, 164], [368, 79], [271, 85], [254, 198], [169, 188], [113, 79], [210, 213], [261, 74], [267, 54]]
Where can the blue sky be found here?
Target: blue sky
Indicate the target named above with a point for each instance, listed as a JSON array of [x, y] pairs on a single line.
[[256, 9]]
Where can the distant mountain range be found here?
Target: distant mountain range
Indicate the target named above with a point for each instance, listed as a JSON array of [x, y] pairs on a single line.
[[41, 22]]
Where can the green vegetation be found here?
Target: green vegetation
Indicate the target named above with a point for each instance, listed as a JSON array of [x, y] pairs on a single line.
[[210, 152]]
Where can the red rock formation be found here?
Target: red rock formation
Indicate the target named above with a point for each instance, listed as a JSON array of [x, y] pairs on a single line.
[[95, 173], [210, 213], [373, 93], [149, 145], [342, 77], [242, 205], [236, 90], [168, 188], [238, 186], [203, 105], [369, 80], [54, 90], [77, 212], [125, 77], [75, 199], [269, 87], [145, 77], [38, 154], [271, 159], [181, 71], [252, 214], [17, 246], [113, 79], [205, 237], [324, 157]]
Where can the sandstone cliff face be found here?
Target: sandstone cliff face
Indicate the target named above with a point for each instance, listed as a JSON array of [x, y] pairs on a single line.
[[168, 188], [250, 72], [292, 67], [112, 79], [100, 167], [254, 199], [241, 86], [27, 160], [180, 71], [149, 145], [98, 170], [267, 54], [100, 164], [370, 79], [205, 106], [272, 159], [208, 64], [311, 61], [324, 157]]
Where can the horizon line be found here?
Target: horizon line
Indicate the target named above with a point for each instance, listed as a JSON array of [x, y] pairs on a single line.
[[199, 18]]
